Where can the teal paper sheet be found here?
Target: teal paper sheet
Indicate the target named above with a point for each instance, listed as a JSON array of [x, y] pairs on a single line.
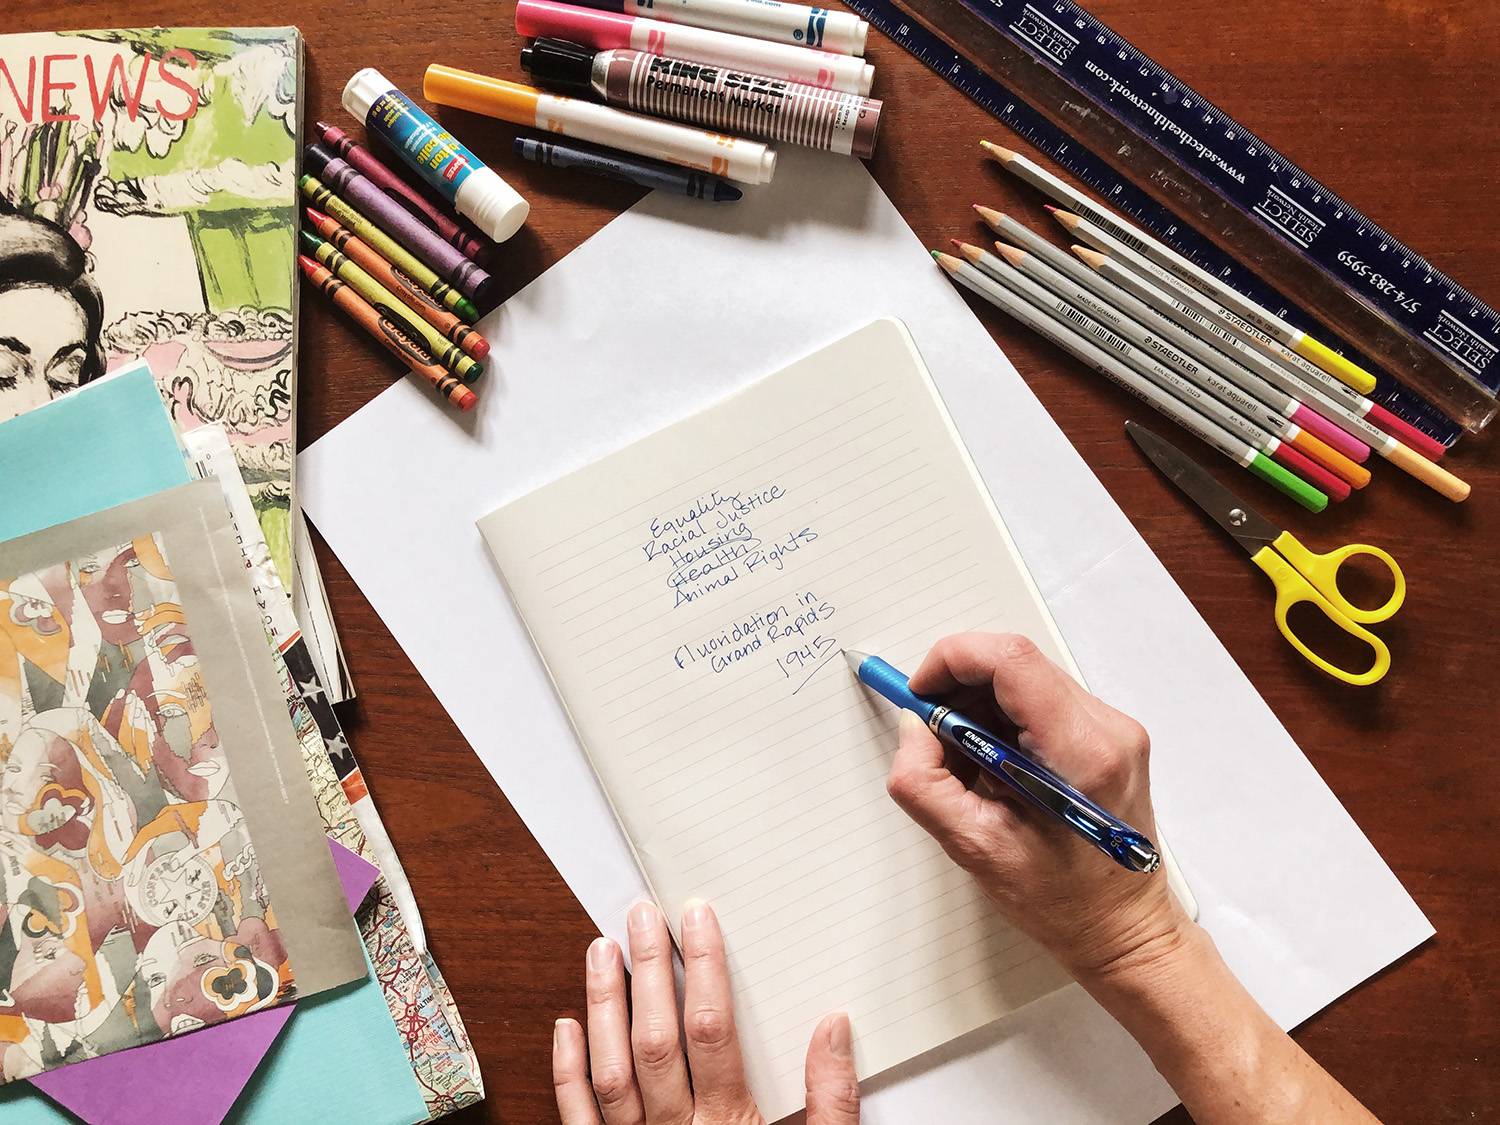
[[340, 1058], [99, 447]]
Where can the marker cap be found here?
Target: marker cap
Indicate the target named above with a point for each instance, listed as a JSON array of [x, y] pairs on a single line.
[[560, 65]]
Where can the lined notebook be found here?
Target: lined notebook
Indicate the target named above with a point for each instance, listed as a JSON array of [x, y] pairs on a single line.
[[691, 596]]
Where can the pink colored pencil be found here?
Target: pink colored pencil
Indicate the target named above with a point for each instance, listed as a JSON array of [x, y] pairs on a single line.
[[393, 185]]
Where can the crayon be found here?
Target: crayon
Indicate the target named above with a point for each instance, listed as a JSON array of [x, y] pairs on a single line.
[[397, 221], [399, 190], [392, 251], [606, 162], [391, 336], [398, 283], [449, 354]]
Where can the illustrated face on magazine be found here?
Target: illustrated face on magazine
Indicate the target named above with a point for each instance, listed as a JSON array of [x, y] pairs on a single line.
[[51, 315]]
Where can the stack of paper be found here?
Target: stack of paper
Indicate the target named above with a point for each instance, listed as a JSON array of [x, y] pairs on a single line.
[[171, 802]]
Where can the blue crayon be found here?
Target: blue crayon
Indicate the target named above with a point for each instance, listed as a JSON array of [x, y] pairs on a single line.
[[614, 165]]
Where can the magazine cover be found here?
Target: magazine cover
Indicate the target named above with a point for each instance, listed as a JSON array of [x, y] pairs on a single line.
[[148, 210]]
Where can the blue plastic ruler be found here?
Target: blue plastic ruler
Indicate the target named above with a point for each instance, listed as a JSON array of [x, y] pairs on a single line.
[[1061, 80]]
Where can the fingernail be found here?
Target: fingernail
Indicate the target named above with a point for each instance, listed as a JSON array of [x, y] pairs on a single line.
[[641, 918], [557, 1035], [840, 1036], [601, 953], [695, 913]]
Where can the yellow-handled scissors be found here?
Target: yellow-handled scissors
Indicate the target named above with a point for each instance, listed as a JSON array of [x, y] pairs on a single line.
[[1298, 574]]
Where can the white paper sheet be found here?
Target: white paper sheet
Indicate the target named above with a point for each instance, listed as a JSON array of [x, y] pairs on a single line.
[[664, 311]]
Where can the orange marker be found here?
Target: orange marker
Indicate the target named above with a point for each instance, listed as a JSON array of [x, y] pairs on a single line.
[[411, 294], [394, 337]]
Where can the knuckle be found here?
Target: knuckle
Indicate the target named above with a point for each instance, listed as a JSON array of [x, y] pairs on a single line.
[[1013, 648], [612, 1085], [901, 786], [710, 1029], [655, 1046]]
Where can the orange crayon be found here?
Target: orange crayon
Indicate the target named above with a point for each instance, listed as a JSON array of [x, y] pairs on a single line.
[[411, 294], [396, 338]]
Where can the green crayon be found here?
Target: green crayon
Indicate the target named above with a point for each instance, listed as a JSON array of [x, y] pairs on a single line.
[[388, 248], [449, 354]]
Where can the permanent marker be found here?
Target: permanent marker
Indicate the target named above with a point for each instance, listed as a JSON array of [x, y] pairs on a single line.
[[603, 30], [749, 162], [1033, 781], [793, 24]]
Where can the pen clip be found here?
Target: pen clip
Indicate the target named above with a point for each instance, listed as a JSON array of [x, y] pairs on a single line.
[[1108, 834]]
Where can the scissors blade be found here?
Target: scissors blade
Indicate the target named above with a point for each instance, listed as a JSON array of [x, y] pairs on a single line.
[[1250, 529]]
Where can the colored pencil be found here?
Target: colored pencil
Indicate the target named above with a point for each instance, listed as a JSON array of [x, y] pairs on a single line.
[[1207, 306], [1187, 384], [445, 351], [408, 291], [1163, 255], [1434, 476], [1342, 473], [1236, 370], [392, 251], [398, 189], [390, 335], [1066, 337]]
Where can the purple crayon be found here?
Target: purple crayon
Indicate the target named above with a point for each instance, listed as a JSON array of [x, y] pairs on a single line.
[[403, 193], [449, 263]]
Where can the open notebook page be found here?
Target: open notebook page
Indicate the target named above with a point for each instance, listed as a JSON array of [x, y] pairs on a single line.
[[691, 595]]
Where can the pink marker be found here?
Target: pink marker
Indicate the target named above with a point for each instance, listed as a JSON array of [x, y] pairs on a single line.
[[606, 30]]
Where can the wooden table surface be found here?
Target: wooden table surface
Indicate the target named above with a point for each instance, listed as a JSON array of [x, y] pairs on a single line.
[[1395, 105]]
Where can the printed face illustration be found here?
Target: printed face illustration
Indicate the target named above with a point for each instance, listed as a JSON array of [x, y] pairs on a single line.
[[44, 346], [109, 587], [42, 793], [47, 977], [195, 980]]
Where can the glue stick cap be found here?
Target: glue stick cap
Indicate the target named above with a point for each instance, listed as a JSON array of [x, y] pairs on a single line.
[[478, 193], [560, 65], [361, 91], [492, 204]]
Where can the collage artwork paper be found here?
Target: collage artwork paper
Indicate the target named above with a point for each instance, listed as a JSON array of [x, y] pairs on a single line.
[[132, 906]]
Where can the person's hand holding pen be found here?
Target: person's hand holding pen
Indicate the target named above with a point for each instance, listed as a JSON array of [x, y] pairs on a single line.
[[1121, 934]]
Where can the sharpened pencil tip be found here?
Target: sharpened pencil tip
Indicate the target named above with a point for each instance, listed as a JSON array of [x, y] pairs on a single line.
[[1050, 206], [1000, 152], [1090, 257]]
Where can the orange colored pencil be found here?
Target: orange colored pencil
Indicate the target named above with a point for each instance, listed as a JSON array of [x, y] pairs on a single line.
[[412, 295], [395, 338]]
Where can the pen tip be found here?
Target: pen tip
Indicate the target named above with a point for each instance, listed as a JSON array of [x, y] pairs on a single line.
[[855, 658]]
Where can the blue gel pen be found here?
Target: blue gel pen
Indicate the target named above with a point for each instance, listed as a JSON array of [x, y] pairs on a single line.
[[1043, 788]]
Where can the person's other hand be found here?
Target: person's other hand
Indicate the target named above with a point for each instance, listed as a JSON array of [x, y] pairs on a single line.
[[1089, 913], [631, 1068]]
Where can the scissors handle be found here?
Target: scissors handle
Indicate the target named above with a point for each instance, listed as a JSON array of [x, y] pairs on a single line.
[[1293, 589], [1322, 571]]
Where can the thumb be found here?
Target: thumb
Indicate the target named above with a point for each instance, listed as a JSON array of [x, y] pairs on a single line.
[[832, 1089]]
